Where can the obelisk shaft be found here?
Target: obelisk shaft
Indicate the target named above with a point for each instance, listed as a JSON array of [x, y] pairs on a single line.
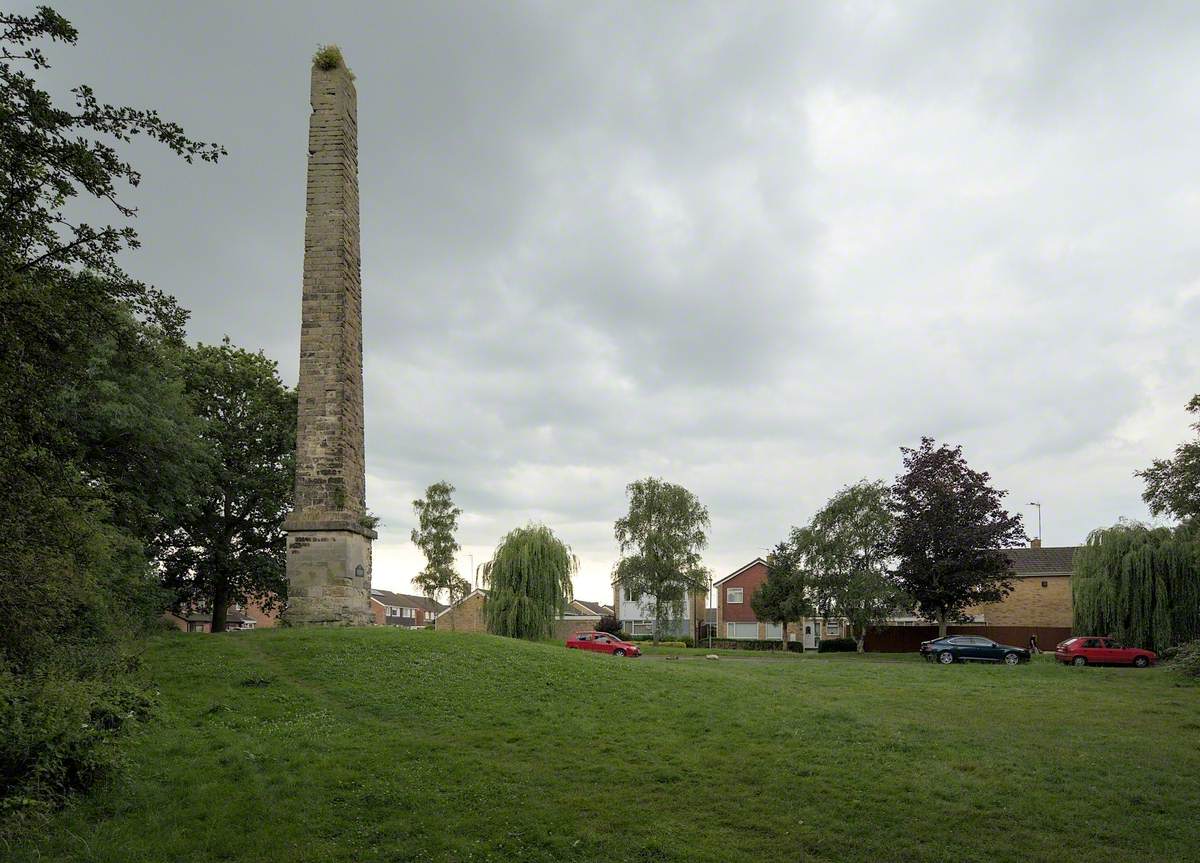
[[329, 546]]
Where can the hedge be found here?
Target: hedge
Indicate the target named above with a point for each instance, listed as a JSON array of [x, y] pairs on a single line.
[[837, 645]]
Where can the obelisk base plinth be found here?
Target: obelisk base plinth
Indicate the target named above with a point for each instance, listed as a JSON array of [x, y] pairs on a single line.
[[329, 574]]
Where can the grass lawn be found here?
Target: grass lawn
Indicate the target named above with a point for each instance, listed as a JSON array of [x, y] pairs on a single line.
[[380, 744]]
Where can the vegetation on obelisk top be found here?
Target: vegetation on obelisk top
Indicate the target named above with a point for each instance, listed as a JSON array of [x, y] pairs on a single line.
[[437, 522], [949, 532], [661, 539], [529, 583]]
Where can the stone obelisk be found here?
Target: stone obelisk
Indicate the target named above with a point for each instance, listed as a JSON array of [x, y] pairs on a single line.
[[329, 540]]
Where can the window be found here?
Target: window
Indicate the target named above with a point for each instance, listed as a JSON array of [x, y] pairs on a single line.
[[833, 629], [1108, 642], [583, 636], [733, 595], [741, 629], [1091, 642], [408, 612], [773, 630], [630, 596]]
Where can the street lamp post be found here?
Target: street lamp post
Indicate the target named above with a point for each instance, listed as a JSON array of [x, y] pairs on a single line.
[[1038, 504]]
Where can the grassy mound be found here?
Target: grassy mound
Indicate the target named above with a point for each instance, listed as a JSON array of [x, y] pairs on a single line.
[[379, 744]]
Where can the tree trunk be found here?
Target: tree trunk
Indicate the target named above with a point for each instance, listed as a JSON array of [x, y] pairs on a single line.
[[783, 635], [220, 604], [941, 618], [860, 641]]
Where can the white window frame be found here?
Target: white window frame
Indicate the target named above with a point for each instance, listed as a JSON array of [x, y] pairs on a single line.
[[731, 629], [833, 629], [729, 591], [408, 612], [773, 631]]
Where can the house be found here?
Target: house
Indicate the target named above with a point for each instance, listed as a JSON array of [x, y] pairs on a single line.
[[468, 615], [589, 608], [403, 609], [736, 617], [1039, 605], [636, 614], [1041, 595], [201, 621]]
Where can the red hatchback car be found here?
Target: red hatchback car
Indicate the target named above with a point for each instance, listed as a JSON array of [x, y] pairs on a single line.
[[603, 642], [1090, 650]]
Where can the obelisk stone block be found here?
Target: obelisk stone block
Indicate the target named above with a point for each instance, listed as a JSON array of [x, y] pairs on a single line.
[[329, 542]]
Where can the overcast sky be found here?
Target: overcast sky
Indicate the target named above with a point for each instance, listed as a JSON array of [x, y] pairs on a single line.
[[751, 248]]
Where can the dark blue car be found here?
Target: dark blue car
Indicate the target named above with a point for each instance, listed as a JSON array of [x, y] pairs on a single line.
[[971, 648]]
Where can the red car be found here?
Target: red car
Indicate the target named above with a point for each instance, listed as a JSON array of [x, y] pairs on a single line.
[[1091, 650], [603, 642]]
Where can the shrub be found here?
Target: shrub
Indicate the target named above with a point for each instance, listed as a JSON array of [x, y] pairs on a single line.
[[837, 645], [1185, 658], [610, 624], [56, 736], [328, 57], [672, 644]]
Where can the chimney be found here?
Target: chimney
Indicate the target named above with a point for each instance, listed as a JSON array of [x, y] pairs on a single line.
[[1035, 543]]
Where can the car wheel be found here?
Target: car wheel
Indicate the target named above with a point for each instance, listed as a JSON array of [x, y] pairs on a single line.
[[1140, 662], [619, 652], [946, 657], [1079, 661], [1011, 659]]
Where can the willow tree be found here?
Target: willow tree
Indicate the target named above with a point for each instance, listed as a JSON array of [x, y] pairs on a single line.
[[1138, 584], [529, 583]]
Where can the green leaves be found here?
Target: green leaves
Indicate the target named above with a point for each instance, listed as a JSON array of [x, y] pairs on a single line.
[[529, 583], [227, 544], [437, 519], [1138, 584], [661, 539], [1173, 485]]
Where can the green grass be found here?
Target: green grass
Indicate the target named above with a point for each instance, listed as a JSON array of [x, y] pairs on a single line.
[[380, 744]]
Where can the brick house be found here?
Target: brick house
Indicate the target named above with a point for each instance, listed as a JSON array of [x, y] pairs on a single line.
[[250, 615], [736, 617], [403, 609], [1041, 596], [467, 615]]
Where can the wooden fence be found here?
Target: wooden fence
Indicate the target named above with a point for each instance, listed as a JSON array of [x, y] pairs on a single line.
[[902, 639]]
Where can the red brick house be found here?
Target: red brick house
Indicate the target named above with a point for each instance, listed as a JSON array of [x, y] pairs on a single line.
[[239, 617], [403, 609], [736, 618]]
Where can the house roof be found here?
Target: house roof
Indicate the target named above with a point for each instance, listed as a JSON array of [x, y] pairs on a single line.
[[594, 607], [407, 600], [740, 571], [1042, 561]]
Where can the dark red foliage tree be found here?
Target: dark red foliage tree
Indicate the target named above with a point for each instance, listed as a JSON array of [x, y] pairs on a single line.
[[950, 529]]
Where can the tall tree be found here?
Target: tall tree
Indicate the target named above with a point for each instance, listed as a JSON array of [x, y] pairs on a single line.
[[950, 529], [1139, 584], [437, 521], [661, 538], [1173, 485], [787, 594], [529, 583], [229, 545], [76, 438], [852, 539]]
